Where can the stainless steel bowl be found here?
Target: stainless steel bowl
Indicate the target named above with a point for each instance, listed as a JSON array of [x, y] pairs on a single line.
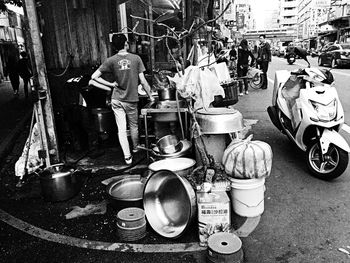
[[181, 166], [219, 120], [169, 202], [169, 144], [126, 192]]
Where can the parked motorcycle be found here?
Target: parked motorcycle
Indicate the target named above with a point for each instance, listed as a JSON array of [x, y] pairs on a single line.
[[306, 107]]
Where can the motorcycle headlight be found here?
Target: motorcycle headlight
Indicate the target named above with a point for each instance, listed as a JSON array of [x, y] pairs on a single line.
[[325, 112]]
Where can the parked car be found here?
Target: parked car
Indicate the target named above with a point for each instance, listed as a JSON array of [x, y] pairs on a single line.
[[335, 55]]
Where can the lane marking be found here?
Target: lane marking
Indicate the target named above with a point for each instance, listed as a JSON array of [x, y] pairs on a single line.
[[98, 245], [249, 225], [244, 231]]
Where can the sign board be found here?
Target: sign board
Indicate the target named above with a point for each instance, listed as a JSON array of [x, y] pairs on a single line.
[[240, 20], [321, 3], [230, 12], [230, 23], [242, 8]]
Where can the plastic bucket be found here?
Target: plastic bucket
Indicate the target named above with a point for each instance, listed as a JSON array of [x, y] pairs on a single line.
[[248, 196]]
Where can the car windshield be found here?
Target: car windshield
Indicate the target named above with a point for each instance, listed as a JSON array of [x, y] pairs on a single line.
[[345, 46]]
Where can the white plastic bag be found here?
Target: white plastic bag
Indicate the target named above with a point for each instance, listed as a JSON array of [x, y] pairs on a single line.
[[31, 149], [200, 84]]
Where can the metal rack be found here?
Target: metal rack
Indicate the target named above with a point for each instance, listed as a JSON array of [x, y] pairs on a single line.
[[146, 112]]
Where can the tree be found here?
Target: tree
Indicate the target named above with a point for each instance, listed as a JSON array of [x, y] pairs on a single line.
[[3, 3]]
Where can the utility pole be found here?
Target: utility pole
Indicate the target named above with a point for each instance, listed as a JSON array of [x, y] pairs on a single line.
[[43, 106]]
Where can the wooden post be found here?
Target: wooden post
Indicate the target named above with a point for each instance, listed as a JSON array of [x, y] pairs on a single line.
[[46, 121], [151, 32]]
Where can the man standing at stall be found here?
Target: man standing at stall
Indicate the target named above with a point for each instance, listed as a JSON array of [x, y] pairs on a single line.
[[127, 69], [264, 58]]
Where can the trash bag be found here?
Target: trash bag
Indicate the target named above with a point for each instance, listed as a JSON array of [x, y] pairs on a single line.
[[201, 84], [30, 152]]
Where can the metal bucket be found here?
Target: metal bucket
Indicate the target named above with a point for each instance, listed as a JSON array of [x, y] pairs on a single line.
[[103, 119]]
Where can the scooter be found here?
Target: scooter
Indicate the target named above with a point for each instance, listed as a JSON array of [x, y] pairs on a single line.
[[306, 108], [291, 58]]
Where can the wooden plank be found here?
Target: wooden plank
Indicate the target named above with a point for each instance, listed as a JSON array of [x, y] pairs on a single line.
[[50, 49], [37, 49]]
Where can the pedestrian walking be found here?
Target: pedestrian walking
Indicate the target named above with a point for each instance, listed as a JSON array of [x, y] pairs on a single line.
[[12, 61], [127, 70], [243, 63], [25, 71], [264, 58], [233, 57]]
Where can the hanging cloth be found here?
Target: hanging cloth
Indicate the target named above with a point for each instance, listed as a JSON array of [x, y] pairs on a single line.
[[194, 54]]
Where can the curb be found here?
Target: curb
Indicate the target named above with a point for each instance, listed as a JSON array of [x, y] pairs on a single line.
[[8, 143]]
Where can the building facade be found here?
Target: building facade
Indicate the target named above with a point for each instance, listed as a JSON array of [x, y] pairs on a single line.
[[11, 38], [289, 15], [310, 14]]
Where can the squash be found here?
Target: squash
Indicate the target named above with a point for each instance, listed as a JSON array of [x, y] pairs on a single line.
[[247, 159]]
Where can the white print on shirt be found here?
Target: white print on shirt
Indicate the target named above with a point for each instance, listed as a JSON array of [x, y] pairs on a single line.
[[124, 64]]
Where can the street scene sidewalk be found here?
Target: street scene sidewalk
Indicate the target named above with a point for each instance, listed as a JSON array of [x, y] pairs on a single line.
[[175, 131], [15, 113], [303, 221]]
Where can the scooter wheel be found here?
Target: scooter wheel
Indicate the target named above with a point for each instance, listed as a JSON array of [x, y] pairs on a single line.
[[256, 82], [334, 164]]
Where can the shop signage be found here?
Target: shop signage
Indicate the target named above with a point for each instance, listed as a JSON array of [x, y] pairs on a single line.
[[240, 21]]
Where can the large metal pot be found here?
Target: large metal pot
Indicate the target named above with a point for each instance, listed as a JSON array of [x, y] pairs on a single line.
[[126, 192], [167, 94], [103, 119], [181, 166], [59, 182], [219, 120], [168, 116], [169, 202]]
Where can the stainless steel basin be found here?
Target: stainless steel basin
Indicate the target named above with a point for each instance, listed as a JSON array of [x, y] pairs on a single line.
[[169, 203]]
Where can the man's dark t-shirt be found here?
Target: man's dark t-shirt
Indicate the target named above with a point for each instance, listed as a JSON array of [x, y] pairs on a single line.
[[125, 69]]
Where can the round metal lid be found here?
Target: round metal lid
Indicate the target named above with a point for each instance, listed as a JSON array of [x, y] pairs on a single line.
[[131, 214], [224, 243]]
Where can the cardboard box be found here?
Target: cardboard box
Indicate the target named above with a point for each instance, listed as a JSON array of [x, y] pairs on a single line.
[[214, 214]]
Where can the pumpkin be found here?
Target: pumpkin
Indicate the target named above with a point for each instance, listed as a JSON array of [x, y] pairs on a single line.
[[247, 159]]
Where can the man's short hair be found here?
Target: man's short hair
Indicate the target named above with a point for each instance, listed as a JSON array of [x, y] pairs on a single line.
[[118, 41], [262, 35]]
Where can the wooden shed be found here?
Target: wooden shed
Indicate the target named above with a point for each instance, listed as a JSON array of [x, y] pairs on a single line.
[[76, 32]]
